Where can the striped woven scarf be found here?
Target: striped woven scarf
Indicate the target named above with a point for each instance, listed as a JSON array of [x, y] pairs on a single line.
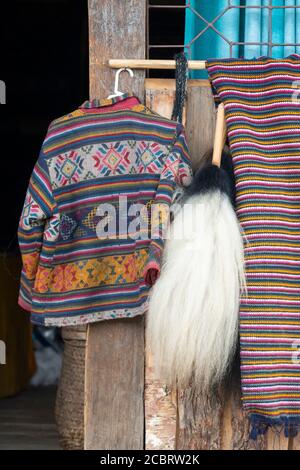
[[262, 106]]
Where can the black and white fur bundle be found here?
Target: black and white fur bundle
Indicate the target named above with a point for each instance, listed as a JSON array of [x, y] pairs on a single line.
[[193, 318]]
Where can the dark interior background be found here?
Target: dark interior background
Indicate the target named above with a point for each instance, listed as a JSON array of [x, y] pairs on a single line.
[[44, 63], [165, 28]]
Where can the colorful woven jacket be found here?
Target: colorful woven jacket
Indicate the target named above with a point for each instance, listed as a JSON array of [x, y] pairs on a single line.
[[262, 109], [84, 258]]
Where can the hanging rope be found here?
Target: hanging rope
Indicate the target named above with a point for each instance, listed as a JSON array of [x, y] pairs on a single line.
[[181, 81]]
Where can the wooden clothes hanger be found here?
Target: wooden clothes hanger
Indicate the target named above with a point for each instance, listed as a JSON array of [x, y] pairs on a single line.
[[220, 136]]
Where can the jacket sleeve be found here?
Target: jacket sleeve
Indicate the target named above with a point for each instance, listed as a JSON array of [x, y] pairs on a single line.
[[177, 172], [38, 208]]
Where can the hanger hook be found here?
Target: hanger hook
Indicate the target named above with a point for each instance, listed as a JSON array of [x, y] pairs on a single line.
[[123, 69]]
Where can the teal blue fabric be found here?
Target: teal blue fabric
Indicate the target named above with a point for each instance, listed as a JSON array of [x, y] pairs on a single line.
[[240, 25]]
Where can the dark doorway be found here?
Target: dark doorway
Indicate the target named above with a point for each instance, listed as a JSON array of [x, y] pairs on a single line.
[[44, 64]]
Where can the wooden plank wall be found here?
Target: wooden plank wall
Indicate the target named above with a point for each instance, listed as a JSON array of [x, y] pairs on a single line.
[[114, 408], [114, 381]]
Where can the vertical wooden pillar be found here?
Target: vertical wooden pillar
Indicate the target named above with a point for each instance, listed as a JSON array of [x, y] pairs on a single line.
[[117, 29], [114, 389], [114, 381]]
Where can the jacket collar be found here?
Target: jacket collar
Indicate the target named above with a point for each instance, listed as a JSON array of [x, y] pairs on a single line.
[[99, 103]]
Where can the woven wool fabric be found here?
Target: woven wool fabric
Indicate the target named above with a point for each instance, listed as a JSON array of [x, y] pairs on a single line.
[[100, 154], [262, 111]]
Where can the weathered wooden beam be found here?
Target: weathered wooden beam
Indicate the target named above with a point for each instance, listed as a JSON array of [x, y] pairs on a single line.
[[200, 121], [160, 402], [117, 29], [114, 385], [114, 408], [160, 412], [217, 421]]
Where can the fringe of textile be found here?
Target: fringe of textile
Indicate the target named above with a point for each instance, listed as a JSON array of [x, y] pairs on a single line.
[[260, 424]]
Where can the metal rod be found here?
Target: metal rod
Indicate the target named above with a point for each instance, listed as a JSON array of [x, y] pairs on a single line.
[[272, 44], [234, 43], [153, 64], [260, 7], [167, 6], [166, 46]]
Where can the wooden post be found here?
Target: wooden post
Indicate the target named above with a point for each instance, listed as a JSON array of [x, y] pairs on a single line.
[[114, 408], [114, 381], [200, 120], [117, 29]]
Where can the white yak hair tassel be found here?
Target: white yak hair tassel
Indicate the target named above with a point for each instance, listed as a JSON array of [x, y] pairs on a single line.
[[193, 319]]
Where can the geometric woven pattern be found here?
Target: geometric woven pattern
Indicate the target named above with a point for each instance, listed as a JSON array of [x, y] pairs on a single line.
[[82, 262], [32, 212], [100, 160], [110, 270], [67, 226], [67, 169]]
